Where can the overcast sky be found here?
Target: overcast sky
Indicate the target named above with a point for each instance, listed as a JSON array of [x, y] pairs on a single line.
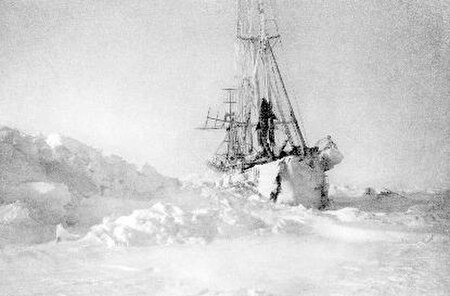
[[136, 77]]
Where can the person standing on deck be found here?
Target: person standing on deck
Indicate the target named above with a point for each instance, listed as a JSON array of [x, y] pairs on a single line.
[[266, 128]]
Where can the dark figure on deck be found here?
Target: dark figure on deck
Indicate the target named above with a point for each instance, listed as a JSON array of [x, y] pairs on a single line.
[[266, 128]]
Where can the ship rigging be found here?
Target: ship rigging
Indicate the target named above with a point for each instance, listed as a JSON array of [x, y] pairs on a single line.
[[260, 121]]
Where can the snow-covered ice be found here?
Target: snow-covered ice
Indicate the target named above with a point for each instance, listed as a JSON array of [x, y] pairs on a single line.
[[215, 240], [53, 140], [75, 222]]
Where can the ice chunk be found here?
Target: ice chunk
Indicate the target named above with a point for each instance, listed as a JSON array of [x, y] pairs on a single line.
[[161, 224], [13, 213], [53, 140], [329, 153]]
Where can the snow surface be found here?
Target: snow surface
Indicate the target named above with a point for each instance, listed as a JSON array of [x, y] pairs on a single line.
[[214, 240]]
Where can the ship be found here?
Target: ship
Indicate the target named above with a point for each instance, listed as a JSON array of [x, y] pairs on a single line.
[[264, 147]]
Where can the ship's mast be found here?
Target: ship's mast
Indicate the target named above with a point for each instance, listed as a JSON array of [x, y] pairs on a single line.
[[259, 119], [267, 79]]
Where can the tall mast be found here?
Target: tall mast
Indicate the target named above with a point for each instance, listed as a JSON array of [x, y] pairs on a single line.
[[271, 121]]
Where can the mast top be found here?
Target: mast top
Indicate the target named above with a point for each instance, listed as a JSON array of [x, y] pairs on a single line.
[[253, 21]]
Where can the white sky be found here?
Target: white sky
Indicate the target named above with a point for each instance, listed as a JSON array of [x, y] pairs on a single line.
[[136, 77]]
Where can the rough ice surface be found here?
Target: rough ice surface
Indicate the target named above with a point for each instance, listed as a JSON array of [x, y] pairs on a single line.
[[215, 240], [64, 234]]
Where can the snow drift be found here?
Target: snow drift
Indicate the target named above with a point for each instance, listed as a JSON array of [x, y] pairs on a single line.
[[231, 213], [217, 240]]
